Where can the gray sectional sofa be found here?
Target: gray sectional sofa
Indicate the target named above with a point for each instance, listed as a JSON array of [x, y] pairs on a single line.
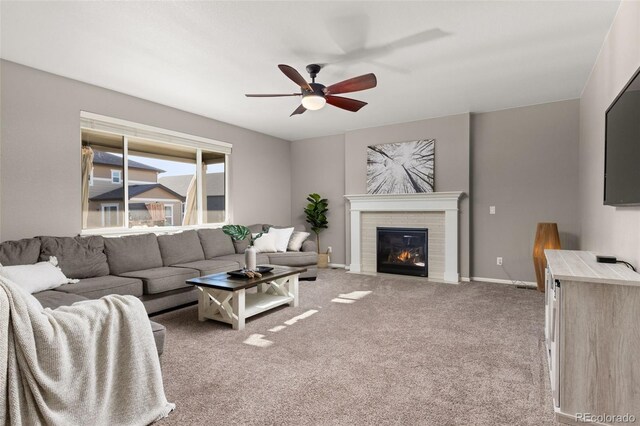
[[152, 268]]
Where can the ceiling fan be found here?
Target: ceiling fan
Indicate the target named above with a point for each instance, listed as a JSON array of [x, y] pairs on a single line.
[[316, 95]]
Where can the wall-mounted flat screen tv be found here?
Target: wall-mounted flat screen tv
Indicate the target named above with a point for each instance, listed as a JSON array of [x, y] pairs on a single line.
[[622, 147]]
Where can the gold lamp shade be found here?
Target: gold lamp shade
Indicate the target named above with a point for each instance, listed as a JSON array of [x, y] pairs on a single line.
[[546, 238]]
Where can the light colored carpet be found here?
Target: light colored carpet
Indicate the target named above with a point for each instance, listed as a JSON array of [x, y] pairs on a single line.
[[410, 352]]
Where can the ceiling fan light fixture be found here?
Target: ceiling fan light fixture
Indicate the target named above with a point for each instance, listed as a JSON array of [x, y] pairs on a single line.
[[313, 102]]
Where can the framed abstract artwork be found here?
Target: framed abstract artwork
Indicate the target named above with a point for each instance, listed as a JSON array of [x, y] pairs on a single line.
[[401, 168]]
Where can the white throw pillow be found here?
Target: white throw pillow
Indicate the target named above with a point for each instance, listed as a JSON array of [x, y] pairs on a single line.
[[282, 236], [38, 277], [296, 240], [266, 243]]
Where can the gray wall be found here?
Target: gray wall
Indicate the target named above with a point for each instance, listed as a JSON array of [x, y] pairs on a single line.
[[605, 229], [525, 163], [317, 165], [40, 163], [451, 164], [337, 164]]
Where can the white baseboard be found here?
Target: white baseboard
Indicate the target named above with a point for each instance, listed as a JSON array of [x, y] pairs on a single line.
[[501, 281], [464, 279]]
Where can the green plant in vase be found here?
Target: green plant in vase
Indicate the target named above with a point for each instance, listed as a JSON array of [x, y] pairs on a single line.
[[316, 215], [239, 233]]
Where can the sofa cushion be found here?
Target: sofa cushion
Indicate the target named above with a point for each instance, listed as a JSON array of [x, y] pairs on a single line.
[[78, 257], [164, 278], [21, 252], [215, 243], [309, 245], [155, 303], [54, 299], [208, 267], [132, 253], [180, 248], [95, 288], [298, 258], [261, 258]]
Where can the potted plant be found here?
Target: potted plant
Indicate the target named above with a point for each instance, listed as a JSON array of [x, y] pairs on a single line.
[[239, 233], [316, 216]]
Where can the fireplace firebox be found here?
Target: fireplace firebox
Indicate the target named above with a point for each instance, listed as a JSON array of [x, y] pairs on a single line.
[[402, 251]]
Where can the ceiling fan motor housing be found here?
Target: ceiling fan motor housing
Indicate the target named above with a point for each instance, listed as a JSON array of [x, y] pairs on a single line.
[[318, 90]]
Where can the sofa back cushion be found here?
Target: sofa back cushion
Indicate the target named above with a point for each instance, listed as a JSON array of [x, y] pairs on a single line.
[[78, 257], [215, 243], [132, 253], [299, 227], [183, 247], [21, 252]]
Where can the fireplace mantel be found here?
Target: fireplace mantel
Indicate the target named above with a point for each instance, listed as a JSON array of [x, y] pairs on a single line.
[[446, 202]]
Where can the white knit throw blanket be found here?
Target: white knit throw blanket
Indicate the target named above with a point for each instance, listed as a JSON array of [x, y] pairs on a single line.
[[92, 363]]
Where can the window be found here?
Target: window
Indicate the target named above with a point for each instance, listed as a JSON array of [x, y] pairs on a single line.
[[168, 214], [141, 177], [110, 216], [116, 176]]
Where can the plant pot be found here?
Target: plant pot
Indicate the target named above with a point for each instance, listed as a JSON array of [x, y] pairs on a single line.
[[323, 260]]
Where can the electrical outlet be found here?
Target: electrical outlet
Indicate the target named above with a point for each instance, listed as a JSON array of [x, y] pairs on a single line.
[[492, 209], [499, 261]]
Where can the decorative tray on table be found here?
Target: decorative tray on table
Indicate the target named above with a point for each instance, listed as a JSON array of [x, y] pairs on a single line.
[[245, 273]]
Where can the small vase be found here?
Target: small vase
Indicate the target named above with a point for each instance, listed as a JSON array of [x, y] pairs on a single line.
[[250, 258]]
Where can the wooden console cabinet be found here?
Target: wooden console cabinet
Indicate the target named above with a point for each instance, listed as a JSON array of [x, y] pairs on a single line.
[[592, 333]]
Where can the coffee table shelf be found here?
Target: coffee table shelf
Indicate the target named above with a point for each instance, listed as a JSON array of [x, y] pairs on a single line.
[[224, 298]]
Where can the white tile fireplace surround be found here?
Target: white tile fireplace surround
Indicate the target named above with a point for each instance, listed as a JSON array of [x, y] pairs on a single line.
[[437, 211]]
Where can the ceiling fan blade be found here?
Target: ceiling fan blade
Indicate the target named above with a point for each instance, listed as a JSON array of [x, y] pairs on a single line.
[[250, 95], [295, 76], [345, 103], [364, 82], [298, 110]]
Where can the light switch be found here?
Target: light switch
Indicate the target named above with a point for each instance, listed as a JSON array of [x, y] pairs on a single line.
[[492, 209]]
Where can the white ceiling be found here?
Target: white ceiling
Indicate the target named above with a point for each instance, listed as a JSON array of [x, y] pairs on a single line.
[[431, 58]]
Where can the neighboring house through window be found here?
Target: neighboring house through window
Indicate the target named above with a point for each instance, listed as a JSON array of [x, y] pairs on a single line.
[[144, 177]]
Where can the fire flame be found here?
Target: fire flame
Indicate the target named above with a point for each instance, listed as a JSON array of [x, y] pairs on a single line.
[[403, 256]]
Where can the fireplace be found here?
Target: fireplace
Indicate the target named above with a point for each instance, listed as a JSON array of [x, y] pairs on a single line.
[[402, 251]]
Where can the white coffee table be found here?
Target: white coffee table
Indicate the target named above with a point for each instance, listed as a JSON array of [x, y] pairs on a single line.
[[224, 298]]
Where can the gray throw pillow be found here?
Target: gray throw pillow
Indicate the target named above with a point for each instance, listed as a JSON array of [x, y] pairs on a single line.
[[78, 257], [21, 252]]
